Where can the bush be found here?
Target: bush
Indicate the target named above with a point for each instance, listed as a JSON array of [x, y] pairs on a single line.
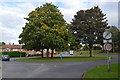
[[85, 48], [14, 53], [97, 48], [37, 54], [23, 54]]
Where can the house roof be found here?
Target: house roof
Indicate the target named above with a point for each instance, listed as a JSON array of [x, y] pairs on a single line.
[[11, 46]]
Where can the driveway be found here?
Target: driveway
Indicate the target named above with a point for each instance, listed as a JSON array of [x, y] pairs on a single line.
[[16, 69]]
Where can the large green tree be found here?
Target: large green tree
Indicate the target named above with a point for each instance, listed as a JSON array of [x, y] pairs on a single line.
[[73, 43], [115, 38], [46, 29], [88, 26]]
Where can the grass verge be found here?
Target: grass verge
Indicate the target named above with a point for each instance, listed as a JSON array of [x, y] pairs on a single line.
[[95, 52], [81, 58], [102, 72]]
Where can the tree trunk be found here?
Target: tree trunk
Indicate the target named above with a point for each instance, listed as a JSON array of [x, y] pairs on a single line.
[[47, 53], [42, 53], [90, 49], [90, 52], [52, 53]]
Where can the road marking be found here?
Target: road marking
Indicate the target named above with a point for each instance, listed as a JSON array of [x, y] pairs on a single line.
[[54, 65], [42, 68]]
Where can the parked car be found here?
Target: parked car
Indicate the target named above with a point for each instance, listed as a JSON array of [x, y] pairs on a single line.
[[5, 57], [29, 55], [65, 52]]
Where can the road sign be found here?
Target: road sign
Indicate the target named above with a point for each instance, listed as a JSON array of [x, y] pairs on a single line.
[[108, 46], [107, 41], [107, 34], [60, 55]]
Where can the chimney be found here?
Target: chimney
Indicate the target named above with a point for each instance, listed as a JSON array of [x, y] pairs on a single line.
[[12, 43], [9, 44]]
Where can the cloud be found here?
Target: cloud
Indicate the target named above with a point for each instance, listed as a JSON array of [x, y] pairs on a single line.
[[68, 14], [119, 15], [111, 11], [58, 0], [9, 35], [12, 20], [11, 17], [113, 19], [13, 13], [108, 8]]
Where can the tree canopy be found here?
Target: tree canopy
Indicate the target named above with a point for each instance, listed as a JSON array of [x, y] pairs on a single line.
[[115, 38], [2, 43], [46, 28], [88, 26]]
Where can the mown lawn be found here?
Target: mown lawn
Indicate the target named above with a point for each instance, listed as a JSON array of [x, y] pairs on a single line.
[[95, 52], [81, 58], [102, 72]]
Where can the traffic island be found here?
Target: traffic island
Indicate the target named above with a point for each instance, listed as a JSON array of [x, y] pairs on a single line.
[[72, 58]]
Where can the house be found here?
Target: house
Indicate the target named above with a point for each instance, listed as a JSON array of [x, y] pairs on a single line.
[[11, 47], [14, 47]]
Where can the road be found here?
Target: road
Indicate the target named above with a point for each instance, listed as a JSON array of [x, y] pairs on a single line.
[[16, 69], [0, 70]]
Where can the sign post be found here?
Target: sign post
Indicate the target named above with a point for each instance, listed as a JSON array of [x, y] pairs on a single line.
[[60, 55], [107, 46], [108, 62]]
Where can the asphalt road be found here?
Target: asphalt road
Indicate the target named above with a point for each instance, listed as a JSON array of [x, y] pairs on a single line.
[[0, 69], [15, 69]]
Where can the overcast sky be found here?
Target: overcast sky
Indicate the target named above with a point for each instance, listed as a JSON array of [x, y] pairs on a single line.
[[12, 13]]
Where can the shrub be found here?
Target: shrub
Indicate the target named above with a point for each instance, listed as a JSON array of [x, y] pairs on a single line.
[[85, 48], [37, 54], [97, 48], [23, 54], [14, 53]]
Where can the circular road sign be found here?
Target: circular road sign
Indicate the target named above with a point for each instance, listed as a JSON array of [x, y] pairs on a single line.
[[107, 34], [108, 46]]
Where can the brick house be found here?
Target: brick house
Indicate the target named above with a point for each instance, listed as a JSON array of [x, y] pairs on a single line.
[[14, 47], [11, 47]]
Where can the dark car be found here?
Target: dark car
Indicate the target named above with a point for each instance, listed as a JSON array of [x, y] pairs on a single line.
[[30, 54], [65, 52], [5, 57]]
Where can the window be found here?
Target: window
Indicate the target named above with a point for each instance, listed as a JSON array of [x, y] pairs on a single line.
[[7, 49], [15, 49]]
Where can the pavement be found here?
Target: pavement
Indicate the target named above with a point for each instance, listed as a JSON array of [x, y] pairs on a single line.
[[0, 69], [12, 59], [17, 69]]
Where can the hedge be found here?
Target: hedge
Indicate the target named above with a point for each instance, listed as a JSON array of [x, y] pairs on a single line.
[[37, 54], [14, 53], [97, 48]]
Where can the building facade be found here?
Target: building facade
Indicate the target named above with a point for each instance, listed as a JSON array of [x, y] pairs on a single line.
[[11, 47]]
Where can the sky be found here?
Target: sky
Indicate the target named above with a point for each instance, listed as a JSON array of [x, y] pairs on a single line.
[[13, 12]]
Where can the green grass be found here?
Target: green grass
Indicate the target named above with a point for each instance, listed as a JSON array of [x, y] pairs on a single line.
[[81, 58], [102, 72], [0, 54], [17, 57], [95, 52]]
